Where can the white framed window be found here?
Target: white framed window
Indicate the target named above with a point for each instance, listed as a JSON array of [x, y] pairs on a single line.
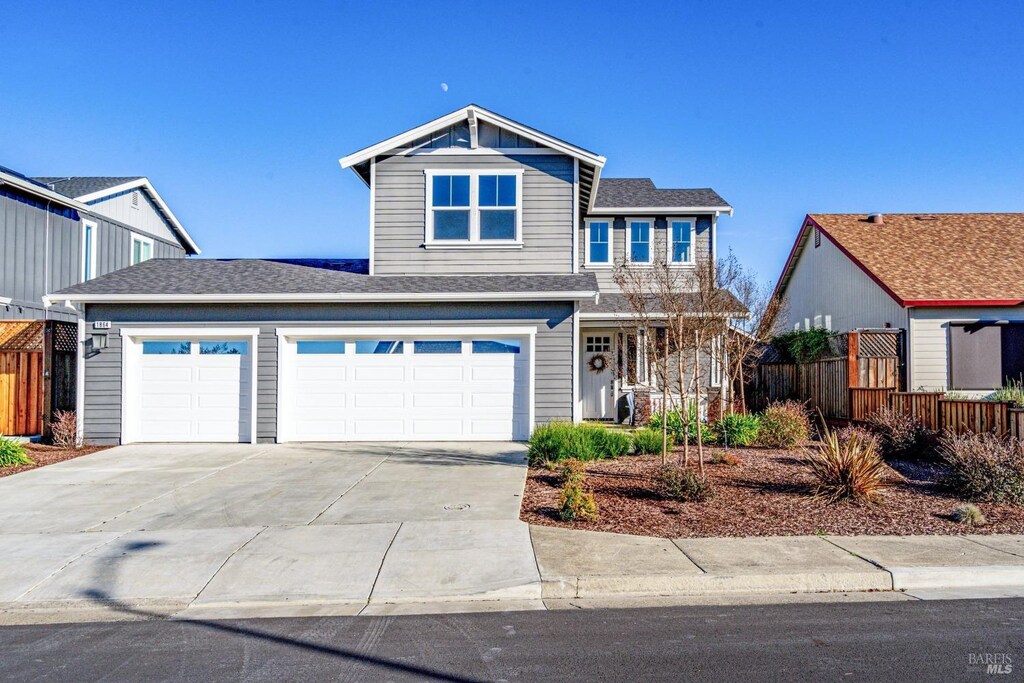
[[142, 249], [599, 242], [681, 240], [474, 208], [638, 235], [599, 344], [89, 231]]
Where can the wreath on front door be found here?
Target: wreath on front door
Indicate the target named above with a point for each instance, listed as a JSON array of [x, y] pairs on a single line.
[[597, 363]]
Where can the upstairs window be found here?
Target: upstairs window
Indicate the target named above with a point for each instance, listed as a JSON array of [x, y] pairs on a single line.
[[142, 249], [451, 207], [89, 231], [599, 242], [474, 209], [681, 240], [639, 241]]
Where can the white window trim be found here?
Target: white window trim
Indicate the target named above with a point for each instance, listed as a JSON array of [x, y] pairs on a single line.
[[474, 241], [611, 244], [629, 242], [143, 240], [95, 228], [693, 241]]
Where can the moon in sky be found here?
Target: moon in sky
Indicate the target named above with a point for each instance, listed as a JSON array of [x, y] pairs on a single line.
[[444, 87]]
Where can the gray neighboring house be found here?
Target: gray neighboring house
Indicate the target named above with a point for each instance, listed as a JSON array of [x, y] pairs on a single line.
[[58, 232], [485, 300]]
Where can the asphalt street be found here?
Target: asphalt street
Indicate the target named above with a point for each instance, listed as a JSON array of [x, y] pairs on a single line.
[[883, 641]]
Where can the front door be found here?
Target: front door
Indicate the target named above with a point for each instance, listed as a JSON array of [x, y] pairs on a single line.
[[597, 375]]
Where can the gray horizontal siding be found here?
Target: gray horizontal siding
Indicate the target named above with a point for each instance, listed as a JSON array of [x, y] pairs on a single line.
[[604, 276], [400, 217], [553, 360]]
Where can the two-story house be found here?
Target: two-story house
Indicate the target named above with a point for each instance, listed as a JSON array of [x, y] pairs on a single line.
[[58, 232], [487, 292]]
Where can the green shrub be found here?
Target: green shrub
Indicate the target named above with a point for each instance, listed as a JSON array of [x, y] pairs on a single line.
[[1013, 393], [12, 453], [803, 346], [678, 483], [983, 467], [574, 472], [577, 504], [784, 424], [847, 469], [648, 441], [680, 428], [968, 515], [737, 430], [558, 441], [899, 435]]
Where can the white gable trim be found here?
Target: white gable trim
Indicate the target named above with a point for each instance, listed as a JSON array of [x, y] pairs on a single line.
[[144, 184], [476, 114]]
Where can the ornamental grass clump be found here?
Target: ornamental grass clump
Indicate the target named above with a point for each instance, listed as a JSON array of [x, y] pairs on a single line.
[[647, 441], [968, 515], [737, 430], [1012, 393], [12, 453], [558, 441], [983, 467], [784, 424], [846, 470]]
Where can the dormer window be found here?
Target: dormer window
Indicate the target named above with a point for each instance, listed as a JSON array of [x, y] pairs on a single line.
[[473, 209], [639, 240]]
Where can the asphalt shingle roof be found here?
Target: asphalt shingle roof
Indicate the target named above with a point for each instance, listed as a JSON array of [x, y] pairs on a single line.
[[618, 304], [940, 257], [80, 186], [256, 276], [641, 192]]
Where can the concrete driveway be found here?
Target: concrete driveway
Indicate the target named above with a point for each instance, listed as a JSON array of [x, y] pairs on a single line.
[[318, 528]]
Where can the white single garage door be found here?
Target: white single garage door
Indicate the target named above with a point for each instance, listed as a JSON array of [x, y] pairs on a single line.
[[456, 387], [189, 390]]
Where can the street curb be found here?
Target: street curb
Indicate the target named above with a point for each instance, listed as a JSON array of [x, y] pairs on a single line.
[[711, 584], [983, 576]]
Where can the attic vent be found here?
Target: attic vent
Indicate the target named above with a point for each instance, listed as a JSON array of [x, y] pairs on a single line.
[[817, 238], [135, 199], [876, 218], [925, 218]]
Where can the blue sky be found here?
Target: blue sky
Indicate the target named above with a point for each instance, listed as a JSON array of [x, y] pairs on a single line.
[[239, 112]]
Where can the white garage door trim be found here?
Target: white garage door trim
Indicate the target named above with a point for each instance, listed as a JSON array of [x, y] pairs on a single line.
[[131, 353], [287, 335]]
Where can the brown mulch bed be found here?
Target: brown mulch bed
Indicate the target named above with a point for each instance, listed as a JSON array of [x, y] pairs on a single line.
[[44, 455], [766, 494]]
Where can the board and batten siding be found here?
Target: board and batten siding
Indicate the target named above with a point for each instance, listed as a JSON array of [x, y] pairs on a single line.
[[829, 290], [42, 253], [620, 238], [102, 411], [929, 341], [400, 217], [143, 215]]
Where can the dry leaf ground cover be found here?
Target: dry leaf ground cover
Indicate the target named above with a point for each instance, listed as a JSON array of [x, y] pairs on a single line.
[[766, 494], [43, 455]]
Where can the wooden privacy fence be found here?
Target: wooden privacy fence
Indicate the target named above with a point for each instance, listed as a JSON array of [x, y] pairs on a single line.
[[851, 380], [38, 362], [936, 412], [21, 395]]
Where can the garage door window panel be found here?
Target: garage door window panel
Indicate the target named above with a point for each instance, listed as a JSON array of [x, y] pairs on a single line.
[[320, 347], [377, 347], [437, 346], [166, 348], [484, 346], [223, 348]]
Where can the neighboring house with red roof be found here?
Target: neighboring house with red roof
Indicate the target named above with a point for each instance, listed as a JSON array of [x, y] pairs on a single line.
[[953, 282]]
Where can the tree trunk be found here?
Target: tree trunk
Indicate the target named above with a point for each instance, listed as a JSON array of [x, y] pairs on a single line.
[[696, 413], [664, 403]]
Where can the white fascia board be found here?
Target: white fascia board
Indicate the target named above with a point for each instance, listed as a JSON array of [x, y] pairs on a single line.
[[361, 329], [479, 114], [144, 184], [324, 298], [39, 191], [172, 332], [634, 210]]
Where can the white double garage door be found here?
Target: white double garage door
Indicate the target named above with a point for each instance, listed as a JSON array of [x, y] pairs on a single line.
[[332, 385]]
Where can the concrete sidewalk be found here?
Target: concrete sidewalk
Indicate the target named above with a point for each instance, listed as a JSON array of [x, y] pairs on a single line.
[[586, 565]]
